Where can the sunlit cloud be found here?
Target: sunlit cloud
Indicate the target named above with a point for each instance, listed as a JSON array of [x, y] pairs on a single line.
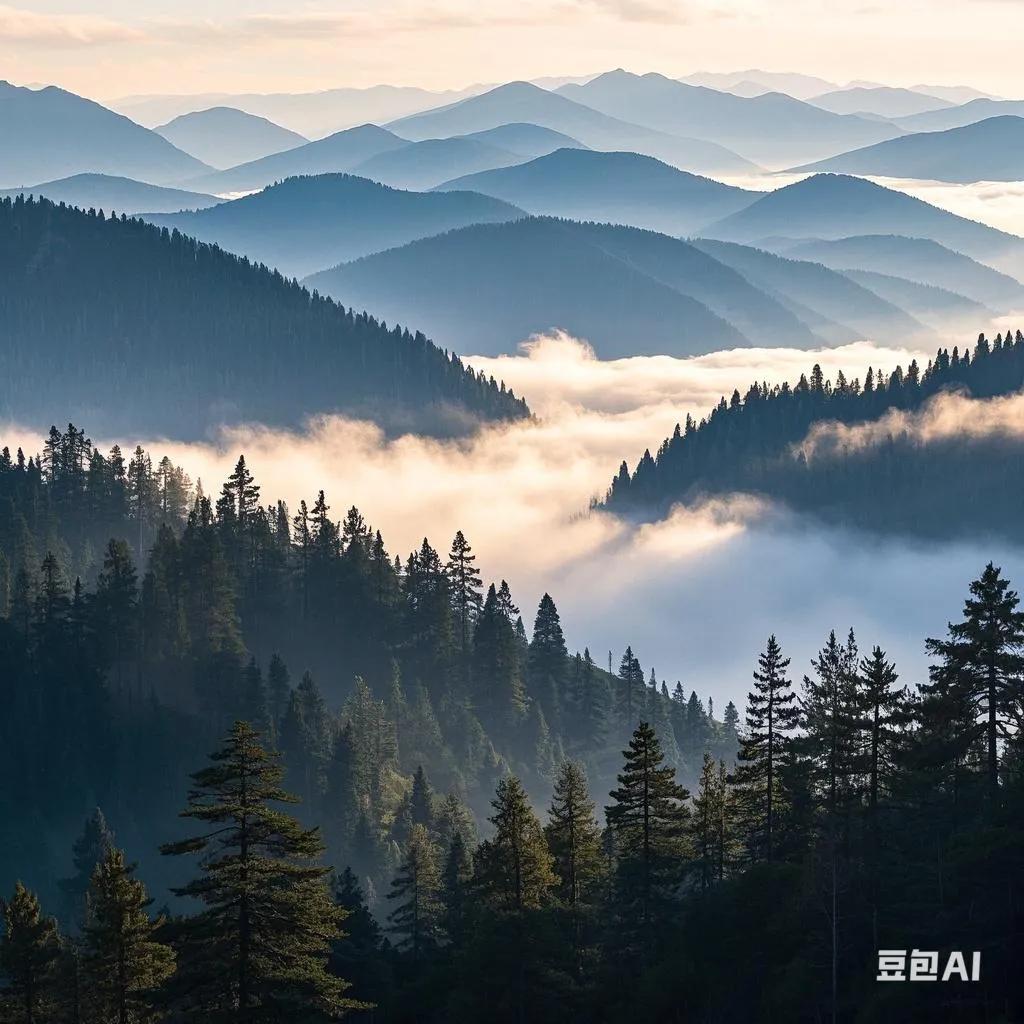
[[61, 30]]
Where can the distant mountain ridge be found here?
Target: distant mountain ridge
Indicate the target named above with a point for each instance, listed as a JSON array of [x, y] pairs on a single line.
[[625, 188], [768, 129], [305, 224], [113, 194], [522, 102], [50, 134], [224, 137], [989, 150], [335, 154]]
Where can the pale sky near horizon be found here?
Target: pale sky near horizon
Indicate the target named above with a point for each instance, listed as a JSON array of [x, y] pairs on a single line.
[[111, 48]]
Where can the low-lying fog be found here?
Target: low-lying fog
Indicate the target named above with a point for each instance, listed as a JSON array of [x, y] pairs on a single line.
[[696, 595]]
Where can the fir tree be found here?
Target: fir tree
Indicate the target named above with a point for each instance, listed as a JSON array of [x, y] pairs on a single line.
[[648, 820], [260, 946], [123, 963], [771, 715], [416, 918], [89, 849], [29, 950]]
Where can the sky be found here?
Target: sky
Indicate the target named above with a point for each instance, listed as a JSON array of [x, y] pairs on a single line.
[[111, 48]]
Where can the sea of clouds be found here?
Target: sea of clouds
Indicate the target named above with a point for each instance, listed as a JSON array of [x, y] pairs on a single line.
[[696, 594]]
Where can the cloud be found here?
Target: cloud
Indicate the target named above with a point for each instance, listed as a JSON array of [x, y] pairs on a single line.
[[943, 418], [695, 594], [61, 30]]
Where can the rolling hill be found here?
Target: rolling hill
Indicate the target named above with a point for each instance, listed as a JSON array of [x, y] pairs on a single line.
[[767, 129], [339, 152], [484, 289], [918, 259], [837, 206], [522, 102], [305, 224], [113, 194], [157, 333], [624, 188], [881, 100], [526, 140], [50, 134], [832, 305], [224, 137], [937, 308], [989, 150], [979, 109], [422, 165]]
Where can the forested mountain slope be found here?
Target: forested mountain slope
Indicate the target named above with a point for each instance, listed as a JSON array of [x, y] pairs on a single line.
[[878, 454], [157, 332]]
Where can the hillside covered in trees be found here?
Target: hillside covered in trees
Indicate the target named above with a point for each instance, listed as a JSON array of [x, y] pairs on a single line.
[[791, 444], [393, 721], [142, 329]]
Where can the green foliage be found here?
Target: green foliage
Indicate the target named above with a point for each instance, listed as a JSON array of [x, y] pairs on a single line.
[[123, 962], [28, 958], [260, 944]]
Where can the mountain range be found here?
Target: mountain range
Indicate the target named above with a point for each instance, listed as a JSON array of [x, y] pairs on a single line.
[[224, 137], [522, 102], [50, 134], [833, 206], [484, 289], [880, 100], [768, 129], [157, 333], [304, 224]]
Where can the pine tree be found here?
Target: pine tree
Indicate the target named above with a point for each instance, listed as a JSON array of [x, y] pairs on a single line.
[[771, 715], [498, 684], [547, 664], [29, 950], [421, 804], [513, 869], [984, 655], [574, 839], [260, 946], [123, 963], [465, 587], [89, 849], [416, 918], [454, 894], [574, 836], [648, 820]]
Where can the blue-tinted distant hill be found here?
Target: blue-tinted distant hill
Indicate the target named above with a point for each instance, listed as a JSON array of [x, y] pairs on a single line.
[[770, 129], [158, 334], [112, 194], [522, 102], [918, 259], [881, 100], [302, 225], [526, 140], [336, 153], [422, 165], [224, 137], [978, 109], [838, 205], [629, 292], [830, 303], [937, 308], [624, 188], [46, 134], [989, 150]]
